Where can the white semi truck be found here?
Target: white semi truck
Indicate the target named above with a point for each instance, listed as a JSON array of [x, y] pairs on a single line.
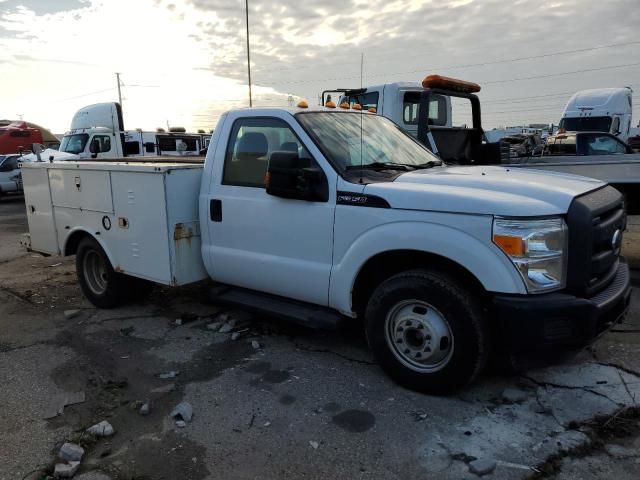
[[330, 215], [97, 132], [599, 110]]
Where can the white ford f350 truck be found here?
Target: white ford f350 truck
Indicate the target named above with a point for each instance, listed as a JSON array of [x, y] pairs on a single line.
[[327, 215]]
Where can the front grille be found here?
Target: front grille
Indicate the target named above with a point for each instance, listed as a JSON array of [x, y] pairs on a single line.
[[593, 220]]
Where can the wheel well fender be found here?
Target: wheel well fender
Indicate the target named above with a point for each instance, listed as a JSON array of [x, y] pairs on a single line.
[[386, 264], [388, 249], [76, 236]]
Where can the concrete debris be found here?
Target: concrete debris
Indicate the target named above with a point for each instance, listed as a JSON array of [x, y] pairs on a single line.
[[70, 452], [235, 335], [170, 374], [59, 401], [226, 328], [618, 451], [313, 444], [181, 423], [66, 470], [256, 345], [184, 410], [145, 409], [69, 314], [482, 466], [514, 395], [165, 389], [93, 475], [102, 429], [215, 326]]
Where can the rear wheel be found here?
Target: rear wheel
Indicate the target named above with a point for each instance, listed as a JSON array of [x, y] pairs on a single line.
[[100, 283], [427, 333]]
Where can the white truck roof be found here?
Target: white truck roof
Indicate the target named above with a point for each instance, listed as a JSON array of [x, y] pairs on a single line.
[[606, 100]]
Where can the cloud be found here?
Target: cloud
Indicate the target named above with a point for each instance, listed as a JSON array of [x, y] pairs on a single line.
[[42, 7], [196, 51]]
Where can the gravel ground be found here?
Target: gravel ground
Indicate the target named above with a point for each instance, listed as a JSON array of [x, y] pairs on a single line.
[[304, 404]]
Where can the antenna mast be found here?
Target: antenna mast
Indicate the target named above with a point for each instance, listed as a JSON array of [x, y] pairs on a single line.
[[119, 92], [246, 10]]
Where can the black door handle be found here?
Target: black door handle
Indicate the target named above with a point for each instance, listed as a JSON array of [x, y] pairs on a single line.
[[215, 210]]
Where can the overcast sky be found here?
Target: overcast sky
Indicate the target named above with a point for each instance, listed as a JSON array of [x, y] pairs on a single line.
[[184, 62]]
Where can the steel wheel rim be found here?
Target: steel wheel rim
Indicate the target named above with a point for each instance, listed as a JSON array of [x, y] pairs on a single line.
[[419, 336], [95, 270]]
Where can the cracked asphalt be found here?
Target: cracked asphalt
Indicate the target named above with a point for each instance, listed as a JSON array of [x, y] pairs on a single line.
[[307, 404]]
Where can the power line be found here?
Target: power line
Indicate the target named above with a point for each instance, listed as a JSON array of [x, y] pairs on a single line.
[[480, 64], [586, 70], [84, 95], [484, 82]]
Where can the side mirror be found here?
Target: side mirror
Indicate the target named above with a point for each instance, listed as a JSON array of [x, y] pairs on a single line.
[[94, 147], [288, 179]]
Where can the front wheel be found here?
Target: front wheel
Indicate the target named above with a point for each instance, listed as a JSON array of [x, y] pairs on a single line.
[[428, 333], [100, 283]]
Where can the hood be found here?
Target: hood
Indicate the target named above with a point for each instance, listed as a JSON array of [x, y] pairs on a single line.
[[486, 190], [49, 153]]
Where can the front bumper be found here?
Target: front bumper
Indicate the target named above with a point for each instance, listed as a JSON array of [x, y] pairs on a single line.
[[558, 321]]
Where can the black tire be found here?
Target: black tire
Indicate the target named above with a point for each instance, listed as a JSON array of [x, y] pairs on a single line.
[[456, 342], [100, 283]]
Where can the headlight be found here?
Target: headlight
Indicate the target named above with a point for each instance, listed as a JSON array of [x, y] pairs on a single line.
[[538, 249]]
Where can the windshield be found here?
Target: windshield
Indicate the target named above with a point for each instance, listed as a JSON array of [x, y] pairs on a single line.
[[74, 143], [351, 140], [586, 124]]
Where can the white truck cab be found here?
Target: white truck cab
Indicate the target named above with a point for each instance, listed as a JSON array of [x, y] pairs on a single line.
[[97, 132], [399, 101], [602, 110], [331, 215]]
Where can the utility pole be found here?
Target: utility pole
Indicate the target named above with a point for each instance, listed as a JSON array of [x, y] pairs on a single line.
[[119, 92], [246, 9]]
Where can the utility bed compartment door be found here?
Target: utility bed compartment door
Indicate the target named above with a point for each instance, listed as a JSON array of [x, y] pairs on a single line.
[[140, 234], [82, 189], [37, 194]]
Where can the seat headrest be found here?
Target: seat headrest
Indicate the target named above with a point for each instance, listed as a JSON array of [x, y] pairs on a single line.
[[252, 145], [289, 147]]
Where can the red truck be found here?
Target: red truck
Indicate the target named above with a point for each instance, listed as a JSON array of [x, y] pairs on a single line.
[[17, 135]]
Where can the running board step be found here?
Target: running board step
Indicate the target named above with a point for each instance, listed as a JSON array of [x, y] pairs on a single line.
[[306, 314]]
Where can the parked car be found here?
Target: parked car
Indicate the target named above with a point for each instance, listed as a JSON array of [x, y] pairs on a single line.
[[10, 174]]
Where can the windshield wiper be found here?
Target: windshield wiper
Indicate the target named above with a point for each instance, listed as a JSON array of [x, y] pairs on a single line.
[[429, 164], [379, 166]]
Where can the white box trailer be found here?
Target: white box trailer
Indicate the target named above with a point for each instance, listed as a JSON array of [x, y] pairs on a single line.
[[144, 215]]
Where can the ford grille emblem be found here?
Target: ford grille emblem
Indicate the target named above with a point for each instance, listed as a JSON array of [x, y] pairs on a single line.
[[616, 241]]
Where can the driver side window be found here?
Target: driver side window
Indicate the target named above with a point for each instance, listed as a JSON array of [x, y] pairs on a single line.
[[252, 142]]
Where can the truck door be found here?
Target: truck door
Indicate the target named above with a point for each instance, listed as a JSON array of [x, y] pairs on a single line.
[[105, 146], [258, 241]]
